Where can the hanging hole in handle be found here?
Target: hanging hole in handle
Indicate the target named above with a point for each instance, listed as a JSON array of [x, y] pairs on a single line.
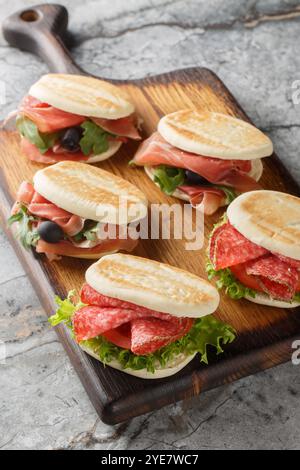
[[29, 16]]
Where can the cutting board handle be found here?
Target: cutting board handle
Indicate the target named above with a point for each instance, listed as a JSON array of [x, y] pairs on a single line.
[[41, 30]]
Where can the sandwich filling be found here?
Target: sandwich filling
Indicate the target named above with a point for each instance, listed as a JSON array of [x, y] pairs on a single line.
[[137, 337], [50, 135], [207, 182], [55, 232], [245, 269]]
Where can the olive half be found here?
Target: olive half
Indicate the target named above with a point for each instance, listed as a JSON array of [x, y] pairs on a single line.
[[50, 232], [194, 178], [71, 138]]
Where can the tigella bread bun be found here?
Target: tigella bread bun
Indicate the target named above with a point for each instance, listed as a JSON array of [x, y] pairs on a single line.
[[75, 117], [70, 206], [143, 317], [254, 251], [205, 158]]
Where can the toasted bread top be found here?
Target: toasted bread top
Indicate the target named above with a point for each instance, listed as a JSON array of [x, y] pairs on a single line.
[[270, 219], [214, 135], [83, 95], [91, 193], [154, 285]]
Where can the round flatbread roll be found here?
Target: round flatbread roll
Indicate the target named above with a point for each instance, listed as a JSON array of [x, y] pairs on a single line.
[[264, 299], [112, 149], [214, 135], [161, 372], [91, 193], [83, 95], [154, 285], [270, 219]]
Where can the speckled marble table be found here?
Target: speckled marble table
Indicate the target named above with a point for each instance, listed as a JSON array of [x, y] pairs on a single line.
[[254, 47]]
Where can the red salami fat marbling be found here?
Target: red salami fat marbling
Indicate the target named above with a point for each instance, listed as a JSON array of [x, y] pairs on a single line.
[[292, 262], [150, 334], [90, 296], [150, 330], [277, 278], [229, 247]]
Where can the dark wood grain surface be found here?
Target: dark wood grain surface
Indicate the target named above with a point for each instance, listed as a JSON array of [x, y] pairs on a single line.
[[265, 334]]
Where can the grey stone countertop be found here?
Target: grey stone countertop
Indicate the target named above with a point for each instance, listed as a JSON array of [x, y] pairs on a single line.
[[254, 47]]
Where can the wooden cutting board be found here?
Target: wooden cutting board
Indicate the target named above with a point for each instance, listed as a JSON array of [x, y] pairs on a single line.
[[265, 334]]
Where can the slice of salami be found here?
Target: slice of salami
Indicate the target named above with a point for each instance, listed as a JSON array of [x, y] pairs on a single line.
[[292, 262], [229, 247], [91, 321], [277, 278], [90, 296], [150, 334], [150, 330]]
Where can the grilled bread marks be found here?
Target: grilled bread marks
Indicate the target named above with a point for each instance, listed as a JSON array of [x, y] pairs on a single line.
[[83, 95], [214, 135], [270, 219], [87, 191], [154, 285]]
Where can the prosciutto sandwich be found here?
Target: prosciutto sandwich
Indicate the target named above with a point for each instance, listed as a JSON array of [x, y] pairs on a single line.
[[77, 210], [74, 117], [143, 317], [254, 251], [205, 158]]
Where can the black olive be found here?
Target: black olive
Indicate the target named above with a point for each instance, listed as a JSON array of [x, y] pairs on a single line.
[[50, 232], [70, 139], [194, 178]]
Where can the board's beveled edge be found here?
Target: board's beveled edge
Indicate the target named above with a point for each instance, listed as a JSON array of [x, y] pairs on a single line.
[[190, 385]]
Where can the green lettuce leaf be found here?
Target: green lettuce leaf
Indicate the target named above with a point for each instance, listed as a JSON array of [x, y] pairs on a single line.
[[229, 192], [297, 297], [26, 233], [207, 331], [29, 130], [94, 139], [89, 232], [65, 311], [168, 178], [226, 279]]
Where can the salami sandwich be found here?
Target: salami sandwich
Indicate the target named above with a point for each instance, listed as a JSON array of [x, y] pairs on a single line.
[[143, 317], [205, 158], [74, 117], [77, 210], [254, 251]]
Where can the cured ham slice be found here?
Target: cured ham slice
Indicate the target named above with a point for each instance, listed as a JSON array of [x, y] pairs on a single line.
[[25, 193], [71, 224], [277, 278], [229, 247], [124, 127], [39, 206], [66, 247], [157, 151], [49, 157], [149, 330], [46, 117], [150, 334], [206, 198]]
